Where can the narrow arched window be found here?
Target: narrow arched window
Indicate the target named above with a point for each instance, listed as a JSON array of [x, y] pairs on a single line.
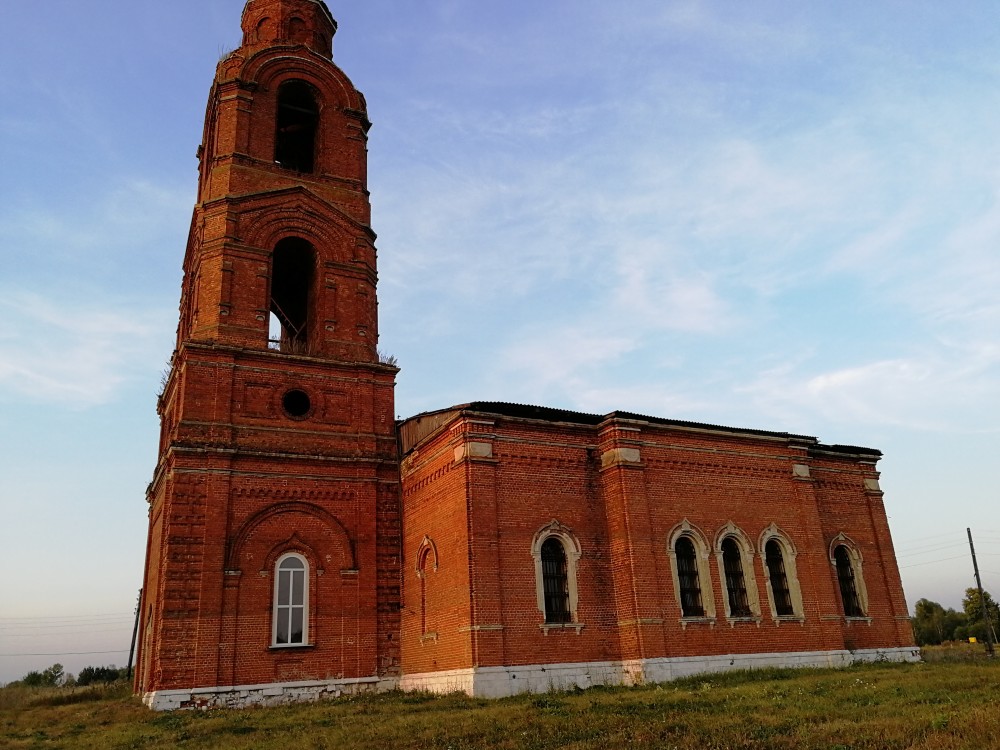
[[422, 576], [848, 585], [291, 286], [291, 601], [555, 579], [297, 123], [736, 586], [781, 594], [688, 578]]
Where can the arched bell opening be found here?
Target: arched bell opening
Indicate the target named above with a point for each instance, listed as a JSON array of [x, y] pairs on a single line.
[[296, 127], [292, 267]]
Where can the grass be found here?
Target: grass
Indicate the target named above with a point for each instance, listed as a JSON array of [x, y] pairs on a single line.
[[933, 706]]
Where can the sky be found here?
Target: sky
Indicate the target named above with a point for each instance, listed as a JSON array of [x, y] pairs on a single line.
[[774, 215]]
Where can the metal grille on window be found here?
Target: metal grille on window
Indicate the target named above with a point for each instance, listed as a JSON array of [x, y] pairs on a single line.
[[687, 576], [290, 609], [556, 582], [779, 581], [736, 587], [848, 588]]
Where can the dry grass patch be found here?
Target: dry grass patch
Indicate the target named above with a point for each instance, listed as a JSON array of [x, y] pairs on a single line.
[[941, 706]]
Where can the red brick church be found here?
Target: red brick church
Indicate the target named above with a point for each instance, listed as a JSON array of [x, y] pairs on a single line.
[[303, 543]]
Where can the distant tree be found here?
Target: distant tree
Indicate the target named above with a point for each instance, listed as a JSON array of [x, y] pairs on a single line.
[[933, 624], [91, 675], [973, 606], [50, 677]]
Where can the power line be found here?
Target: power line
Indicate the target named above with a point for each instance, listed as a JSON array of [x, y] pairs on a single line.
[[82, 624], [931, 562], [47, 618]]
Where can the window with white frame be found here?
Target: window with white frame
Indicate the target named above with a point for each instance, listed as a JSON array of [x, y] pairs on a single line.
[[291, 601], [556, 553], [780, 576], [777, 576], [847, 577], [736, 586], [689, 555]]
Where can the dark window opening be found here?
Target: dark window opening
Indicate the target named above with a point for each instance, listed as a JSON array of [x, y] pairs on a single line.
[[736, 586], [296, 403], [291, 280], [848, 586], [687, 576], [298, 117], [780, 592], [555, 578]]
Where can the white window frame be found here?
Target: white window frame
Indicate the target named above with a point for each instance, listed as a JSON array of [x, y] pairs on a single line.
[[746, 550], [571, 547], [857, 566], [278, 606], [701, 553], [788, 554]]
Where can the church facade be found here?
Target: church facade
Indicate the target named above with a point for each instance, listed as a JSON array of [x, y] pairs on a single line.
[[302, 543]]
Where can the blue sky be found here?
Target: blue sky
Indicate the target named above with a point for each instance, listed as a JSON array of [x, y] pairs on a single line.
[[770, 215]]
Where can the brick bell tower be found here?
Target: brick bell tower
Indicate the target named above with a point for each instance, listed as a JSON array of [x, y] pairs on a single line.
[[272, 564]]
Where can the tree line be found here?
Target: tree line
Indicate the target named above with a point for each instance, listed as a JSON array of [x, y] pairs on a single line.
[[56, 676], [933, 624]]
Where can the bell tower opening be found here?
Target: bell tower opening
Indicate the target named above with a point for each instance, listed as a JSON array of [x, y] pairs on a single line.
[[295, 135], [291, 285]]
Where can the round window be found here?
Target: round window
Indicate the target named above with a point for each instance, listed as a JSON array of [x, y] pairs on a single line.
[[296, 403]]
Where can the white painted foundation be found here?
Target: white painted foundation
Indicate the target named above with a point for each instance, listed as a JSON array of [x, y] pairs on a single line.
[[499, 682], [273, 694]]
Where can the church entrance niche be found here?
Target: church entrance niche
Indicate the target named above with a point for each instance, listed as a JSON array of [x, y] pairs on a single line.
[[295, 136], [291, 282]]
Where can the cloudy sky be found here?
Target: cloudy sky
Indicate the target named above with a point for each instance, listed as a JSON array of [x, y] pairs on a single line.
[[775, 215]]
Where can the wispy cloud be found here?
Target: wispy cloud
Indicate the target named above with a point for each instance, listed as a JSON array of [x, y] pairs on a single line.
[[73, 354]]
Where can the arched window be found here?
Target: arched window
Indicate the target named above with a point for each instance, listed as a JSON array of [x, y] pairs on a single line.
[[687, 574], [291, 284], [689, 556], [291, 601], [556, 553], [780, 575], [848, 582], [555, 577], [422, 575], [736, 587], [781, 595], [297, 123]]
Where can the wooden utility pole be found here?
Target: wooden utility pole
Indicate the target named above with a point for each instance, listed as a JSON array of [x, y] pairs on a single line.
[[982, 598], [135, 632]]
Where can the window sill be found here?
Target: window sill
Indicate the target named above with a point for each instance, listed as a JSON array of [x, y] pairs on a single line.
[[751, 619], [547, 626], [290, 646], [866, 620], [778, 619], [685, 621]]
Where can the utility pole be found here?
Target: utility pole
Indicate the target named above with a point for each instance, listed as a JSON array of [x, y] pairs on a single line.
[[982, 598], [135, 632]]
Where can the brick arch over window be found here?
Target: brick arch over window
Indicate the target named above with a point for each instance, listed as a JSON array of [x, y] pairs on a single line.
[[339, 540], [553, 572], [734, 554], [689, 553], [270, 71], [847, 562]]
